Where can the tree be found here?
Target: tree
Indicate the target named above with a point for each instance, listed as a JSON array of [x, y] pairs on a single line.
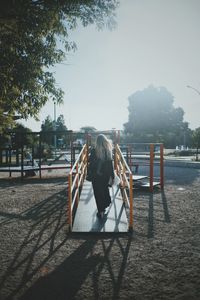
[[196, 141], [60, 124], [49, 126], [22, 134], [29, 35], [153, 118], [88, 129], [17, 136]]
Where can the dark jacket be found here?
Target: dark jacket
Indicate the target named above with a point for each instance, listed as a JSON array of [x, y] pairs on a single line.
[[100, 168]]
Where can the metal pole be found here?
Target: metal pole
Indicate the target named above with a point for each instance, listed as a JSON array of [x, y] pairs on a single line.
[[55, 146]]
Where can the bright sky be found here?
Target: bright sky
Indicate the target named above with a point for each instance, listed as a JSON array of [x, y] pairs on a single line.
[[156, 42]]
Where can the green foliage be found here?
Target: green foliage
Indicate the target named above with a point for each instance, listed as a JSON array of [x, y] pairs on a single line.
[[21, 134], [196, 141], [49, 126], [30, 32], [60, 123], [196, 137], [16, 137], [88, 129], [153, 118]]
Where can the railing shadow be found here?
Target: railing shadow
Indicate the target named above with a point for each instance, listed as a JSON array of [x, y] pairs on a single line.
[[38, 212], [165, 207], [150, 232], [44, 223], [149, 198], [67, 279], [7, 182], [43, 243]]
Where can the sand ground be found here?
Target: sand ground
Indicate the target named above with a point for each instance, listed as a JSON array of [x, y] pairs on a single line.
[[40, 260]]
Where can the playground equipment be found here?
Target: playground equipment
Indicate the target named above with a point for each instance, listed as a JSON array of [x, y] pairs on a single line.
[[39, 146], [125, 174], [130, 161], [78, 218], [142, 159], [75, 183], [81, 214]]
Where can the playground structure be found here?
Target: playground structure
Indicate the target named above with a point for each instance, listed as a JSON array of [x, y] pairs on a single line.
[[130, 161], [81, 211], [81, 205], [142, 158], [30, 153]]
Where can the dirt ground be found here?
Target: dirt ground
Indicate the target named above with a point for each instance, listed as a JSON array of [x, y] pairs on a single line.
[[40, 260]]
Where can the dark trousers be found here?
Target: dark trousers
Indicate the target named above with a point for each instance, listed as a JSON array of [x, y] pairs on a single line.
[[101, 193]]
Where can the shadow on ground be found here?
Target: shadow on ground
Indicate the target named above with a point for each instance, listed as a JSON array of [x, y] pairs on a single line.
[[35, 239], [67, 279], [46, 262]]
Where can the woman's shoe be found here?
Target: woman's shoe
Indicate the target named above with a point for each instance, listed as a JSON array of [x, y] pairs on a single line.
[[100, 215]]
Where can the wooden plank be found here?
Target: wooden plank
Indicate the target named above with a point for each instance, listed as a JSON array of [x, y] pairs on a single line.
[[147, 184], [139, 177], [115, 219]]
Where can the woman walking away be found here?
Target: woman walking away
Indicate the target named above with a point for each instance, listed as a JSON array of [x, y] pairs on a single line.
[[101, 167]]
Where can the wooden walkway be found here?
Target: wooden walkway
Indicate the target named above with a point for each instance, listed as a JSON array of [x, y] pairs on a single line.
[[114, 220]]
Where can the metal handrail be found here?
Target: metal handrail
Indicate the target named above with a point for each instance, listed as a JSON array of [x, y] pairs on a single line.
[[126, 177], [150, 154], [76, 177]]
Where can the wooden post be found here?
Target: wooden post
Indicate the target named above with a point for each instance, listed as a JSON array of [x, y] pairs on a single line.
[[85, 162], [151, 166], [71, 146], [131, 203], [130, 158], [161, 166], [87, 146], [77, 183], [70, 201], [115, 157]]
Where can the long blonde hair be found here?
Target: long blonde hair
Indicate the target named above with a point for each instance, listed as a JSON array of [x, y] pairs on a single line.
[[103, 148]]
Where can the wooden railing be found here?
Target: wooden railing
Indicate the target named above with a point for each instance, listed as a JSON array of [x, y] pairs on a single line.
[[151, 164], [78, 173], [125, 174], [150, 155], [75, 181]]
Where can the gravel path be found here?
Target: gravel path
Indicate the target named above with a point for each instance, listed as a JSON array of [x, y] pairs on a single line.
[[39, 260]]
